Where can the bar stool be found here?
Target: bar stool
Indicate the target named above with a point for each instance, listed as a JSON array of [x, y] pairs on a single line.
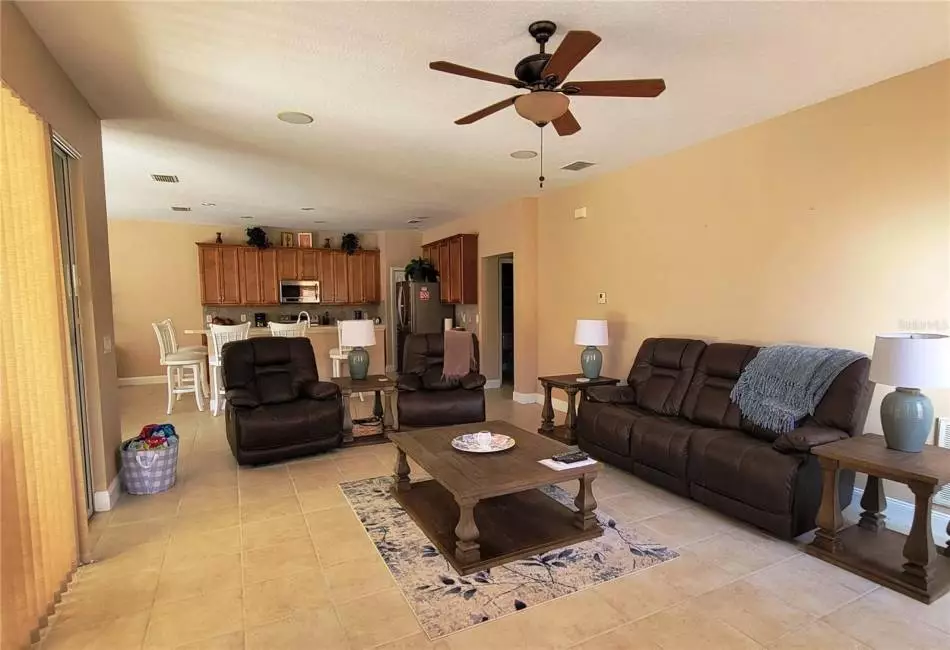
[[288, 329], [177, 365], [169, 328], [221, 334]]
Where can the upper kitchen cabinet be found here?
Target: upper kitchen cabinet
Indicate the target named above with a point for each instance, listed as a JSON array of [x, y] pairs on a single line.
[[287, 263], [456, 258], [219, 270], [244, 275]]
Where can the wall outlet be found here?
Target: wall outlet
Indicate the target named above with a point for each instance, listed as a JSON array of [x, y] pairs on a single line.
[[243, 318], [580, 213], [602, 298], [208, 318], [106, 344]]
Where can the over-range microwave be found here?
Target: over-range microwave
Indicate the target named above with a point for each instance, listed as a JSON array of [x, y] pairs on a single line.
[[299, 291]]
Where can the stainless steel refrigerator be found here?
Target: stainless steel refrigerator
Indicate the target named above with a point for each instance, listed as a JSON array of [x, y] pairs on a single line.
[[419, 310]]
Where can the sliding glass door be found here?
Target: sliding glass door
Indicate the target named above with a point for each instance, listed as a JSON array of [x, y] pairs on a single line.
[[61, 165]]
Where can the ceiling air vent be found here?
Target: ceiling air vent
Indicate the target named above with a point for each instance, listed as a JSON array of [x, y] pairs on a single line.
[[578, 165], [181, 208], [164, 178]]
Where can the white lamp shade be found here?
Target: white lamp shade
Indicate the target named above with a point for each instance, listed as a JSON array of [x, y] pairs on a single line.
[[911, 360], [590, 332], [357, 333]]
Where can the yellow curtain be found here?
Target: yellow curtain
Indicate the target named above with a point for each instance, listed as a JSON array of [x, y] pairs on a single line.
[[38, 514]]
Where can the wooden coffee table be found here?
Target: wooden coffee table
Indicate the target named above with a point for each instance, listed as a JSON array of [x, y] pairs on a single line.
[[482, 510]]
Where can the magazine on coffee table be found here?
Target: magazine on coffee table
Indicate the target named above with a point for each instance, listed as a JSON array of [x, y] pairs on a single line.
[[555, 465]]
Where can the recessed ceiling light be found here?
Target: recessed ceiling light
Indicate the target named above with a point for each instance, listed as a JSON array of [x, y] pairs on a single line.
[[308, 209], [294, 117], [247, 217], [414, 221], [524, 154], [320, 221], [208, 205]]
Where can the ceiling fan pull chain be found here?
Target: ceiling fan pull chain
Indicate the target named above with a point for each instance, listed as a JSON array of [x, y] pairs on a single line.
[[541, 177]]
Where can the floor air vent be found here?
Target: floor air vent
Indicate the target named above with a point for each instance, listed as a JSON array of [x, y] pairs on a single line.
[[164, 178]]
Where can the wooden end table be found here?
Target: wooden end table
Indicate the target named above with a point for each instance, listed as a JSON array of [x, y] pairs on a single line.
[[379, 385], [911, 564], [483, 510], [570, 384]]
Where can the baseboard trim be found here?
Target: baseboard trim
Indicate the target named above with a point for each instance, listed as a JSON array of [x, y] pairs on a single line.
[[492, 383], [559, 405], [142, 381], [900, 514], [105, 500]]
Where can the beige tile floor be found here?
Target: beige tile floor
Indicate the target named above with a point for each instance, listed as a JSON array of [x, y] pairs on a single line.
[[272, 558]]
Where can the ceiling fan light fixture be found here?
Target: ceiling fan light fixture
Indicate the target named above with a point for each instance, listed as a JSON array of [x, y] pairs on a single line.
[[542, 106]]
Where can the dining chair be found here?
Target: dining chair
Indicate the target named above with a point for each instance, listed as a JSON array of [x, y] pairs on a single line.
[[221, 334], [288, 329], [177, 365]]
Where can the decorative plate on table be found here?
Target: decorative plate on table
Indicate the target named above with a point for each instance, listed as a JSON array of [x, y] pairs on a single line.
[[473, 442]]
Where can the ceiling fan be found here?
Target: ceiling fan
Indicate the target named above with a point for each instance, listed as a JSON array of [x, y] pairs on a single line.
[[544, 75]]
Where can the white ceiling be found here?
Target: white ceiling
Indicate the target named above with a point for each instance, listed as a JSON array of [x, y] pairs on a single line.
[[193, 89]]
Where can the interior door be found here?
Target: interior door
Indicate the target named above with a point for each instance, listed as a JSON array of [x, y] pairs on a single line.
[[61, 165]]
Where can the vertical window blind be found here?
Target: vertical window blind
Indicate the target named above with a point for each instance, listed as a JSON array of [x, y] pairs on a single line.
[[38, 443]]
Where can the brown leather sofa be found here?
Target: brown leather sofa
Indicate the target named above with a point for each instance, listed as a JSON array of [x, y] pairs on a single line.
[[277, 407], [426, 398], [674, 425]]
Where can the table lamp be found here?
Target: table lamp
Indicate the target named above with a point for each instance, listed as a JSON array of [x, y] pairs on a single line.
[[591, 333], [909, 362], [357, 334]]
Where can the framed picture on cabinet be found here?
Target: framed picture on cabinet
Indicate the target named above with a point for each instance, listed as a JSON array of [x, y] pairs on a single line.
[[305, 240], [287, 239]]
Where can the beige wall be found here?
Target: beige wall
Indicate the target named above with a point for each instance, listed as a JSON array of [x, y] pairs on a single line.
[[155, 276], [28, 68], [510, 228], [824, 226]]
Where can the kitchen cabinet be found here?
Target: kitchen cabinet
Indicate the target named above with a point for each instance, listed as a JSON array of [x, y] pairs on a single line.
[[243, 275], [251, 285], [270, 280], [286, 263], [308, 264], [219, 270], [456, 259]]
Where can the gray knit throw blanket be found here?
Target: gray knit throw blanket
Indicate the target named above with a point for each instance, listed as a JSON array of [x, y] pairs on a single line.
[[784, 383]]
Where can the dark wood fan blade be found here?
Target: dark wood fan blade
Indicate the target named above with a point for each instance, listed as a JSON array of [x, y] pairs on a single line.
[[566, 124], [488, 110], [620, 88], [575, 46], [461, 70]]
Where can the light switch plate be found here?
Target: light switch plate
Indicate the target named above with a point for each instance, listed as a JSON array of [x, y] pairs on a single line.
[[602, 298], [106, 344], [243, 318]]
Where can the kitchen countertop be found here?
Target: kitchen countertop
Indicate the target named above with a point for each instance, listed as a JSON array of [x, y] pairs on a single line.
[[314, 329]]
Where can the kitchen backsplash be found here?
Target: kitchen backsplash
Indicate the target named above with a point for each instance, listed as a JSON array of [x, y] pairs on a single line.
[[274, 312]]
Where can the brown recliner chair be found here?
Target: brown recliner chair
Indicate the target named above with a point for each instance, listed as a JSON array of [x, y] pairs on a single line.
[[277, 407], [426, 398]]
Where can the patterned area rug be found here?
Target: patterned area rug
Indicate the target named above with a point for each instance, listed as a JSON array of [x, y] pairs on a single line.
[[445, 602]]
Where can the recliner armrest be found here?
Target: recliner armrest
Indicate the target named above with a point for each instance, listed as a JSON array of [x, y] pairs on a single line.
[[409, 382], [472, 381], [242, 398], [319, 390], [803, 439], [611, 394]]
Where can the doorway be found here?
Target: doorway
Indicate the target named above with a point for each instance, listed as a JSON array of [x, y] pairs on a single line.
[[506, 294], [64, 158]]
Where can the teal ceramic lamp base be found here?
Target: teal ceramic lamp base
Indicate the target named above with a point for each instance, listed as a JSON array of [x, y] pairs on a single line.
[[591, 362], [907, 417], [358, 359]]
